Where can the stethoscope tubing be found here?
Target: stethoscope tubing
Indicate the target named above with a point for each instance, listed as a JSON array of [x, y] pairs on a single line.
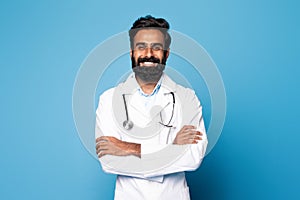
[[128, 124]]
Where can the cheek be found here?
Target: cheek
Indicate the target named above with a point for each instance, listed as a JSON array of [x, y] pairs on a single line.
[[159, 56], [137, 55]]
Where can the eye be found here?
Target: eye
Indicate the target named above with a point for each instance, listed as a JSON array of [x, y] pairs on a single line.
[[140, 47], [157, 47]]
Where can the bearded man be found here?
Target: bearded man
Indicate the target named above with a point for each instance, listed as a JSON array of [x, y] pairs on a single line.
[[154, 119]]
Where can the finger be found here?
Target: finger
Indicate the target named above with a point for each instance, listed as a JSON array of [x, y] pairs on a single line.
[[98, 139], [187, 141], [187, 135], [195, 142], [101, 143], [194, 133], [190, 141], [102, 153], [99, 150], [188, 127], [197, 138], [98, 153], [199, 133], [111, 138], [102, 138], [190, 138], [190, 132], [103, 146], [97, 147]]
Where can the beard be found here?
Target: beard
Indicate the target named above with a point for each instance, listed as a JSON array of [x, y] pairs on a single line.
[[149, 74]]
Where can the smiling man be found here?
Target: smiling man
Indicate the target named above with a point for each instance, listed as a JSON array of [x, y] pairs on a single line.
[[149, 56], [154, 120]]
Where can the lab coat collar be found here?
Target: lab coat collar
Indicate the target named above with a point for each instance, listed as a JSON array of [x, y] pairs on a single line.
[[130, 86]]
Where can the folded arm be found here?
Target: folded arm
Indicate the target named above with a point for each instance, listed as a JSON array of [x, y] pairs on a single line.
[[109, 143]]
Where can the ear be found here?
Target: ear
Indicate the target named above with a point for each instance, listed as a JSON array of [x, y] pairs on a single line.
[[130, 53], [167, 53]]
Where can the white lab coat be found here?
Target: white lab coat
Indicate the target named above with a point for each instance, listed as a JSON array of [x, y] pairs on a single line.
[[169, 181]]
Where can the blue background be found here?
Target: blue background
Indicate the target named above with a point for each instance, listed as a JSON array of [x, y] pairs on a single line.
[[255, 45]]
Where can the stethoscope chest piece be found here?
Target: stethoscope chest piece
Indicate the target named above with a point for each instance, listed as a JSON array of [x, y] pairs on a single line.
[[127, 124]]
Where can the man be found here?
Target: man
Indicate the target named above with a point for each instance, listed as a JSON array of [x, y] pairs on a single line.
[[159, 115]]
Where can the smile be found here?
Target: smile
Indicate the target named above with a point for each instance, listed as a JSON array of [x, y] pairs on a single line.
[[149, 64]]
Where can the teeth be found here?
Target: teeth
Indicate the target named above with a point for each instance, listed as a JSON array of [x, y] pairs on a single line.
[[149, 64]]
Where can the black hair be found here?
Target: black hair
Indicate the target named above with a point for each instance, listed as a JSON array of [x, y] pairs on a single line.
[[149, 22]]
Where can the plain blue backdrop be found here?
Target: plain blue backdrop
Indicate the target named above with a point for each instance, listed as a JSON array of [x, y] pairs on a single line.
[[255, 45]]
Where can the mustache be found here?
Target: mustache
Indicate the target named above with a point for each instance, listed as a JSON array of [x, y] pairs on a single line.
[[147, 59]]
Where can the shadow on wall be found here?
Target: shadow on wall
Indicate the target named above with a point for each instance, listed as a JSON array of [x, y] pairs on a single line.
[[207, 183]]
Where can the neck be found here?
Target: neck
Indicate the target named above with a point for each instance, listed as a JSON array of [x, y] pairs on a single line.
[[146, 87]]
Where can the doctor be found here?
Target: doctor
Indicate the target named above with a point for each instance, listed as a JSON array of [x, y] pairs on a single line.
[[149, 130]]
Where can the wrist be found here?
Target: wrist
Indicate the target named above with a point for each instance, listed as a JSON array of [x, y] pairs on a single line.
[[133, 149]]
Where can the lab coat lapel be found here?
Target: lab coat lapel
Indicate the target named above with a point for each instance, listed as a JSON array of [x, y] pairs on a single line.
[[130, 87], [136, 103], [162, 99]]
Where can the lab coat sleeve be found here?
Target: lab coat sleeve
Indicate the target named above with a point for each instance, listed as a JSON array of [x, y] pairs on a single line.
[[193, 153], [190, 159], [106, 126]]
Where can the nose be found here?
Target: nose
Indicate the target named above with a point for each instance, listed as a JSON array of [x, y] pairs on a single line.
[[148, 52]]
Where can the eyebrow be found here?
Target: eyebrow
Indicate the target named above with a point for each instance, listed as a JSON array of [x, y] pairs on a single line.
[[152, 44]]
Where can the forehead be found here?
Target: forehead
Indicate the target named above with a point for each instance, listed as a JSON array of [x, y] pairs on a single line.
[[149, 36]]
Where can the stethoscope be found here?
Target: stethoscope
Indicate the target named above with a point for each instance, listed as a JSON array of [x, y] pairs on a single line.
[[128, 124]]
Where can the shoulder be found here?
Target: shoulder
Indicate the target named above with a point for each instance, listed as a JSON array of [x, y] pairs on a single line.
[[107, 95], [179, 88], [167, 80], [186, 95], [185, 90]]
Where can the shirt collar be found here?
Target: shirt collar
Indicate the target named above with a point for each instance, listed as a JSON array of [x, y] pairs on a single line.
[[131, 86], [155, 91]]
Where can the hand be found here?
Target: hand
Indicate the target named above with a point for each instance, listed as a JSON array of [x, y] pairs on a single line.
[[188, 135], [108, 145]]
